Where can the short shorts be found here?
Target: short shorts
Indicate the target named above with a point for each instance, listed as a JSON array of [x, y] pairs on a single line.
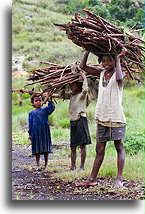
[[105, 133]]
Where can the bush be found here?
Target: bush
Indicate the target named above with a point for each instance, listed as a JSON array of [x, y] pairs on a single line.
[[117, 12], [134, 143], [101, 11], [73, 6]]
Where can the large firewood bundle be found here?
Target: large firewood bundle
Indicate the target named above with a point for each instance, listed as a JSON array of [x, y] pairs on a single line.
[[94, 34], [54, 77], [98, 36]]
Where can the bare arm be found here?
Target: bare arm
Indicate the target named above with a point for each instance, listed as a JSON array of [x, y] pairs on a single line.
[[90, 69], [85, 83], [119, 74]]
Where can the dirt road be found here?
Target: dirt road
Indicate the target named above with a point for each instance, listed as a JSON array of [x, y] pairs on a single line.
[[40, 185]]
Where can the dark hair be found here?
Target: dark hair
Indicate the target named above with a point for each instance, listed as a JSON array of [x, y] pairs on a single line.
[[36, 95], [79, 84], [100, 57]]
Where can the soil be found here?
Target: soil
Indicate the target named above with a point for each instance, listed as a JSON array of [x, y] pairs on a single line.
[[40, 185]]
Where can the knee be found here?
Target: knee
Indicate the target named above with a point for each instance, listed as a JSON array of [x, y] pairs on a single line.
[[119, 146], [100, 151], [83, 148], [73, 149]]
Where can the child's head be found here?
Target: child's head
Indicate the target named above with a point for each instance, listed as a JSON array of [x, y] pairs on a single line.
[[108, 61], [36, 101], [76, 87]]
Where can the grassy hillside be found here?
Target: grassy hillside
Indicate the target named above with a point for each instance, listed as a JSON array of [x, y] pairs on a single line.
[[35, 37]]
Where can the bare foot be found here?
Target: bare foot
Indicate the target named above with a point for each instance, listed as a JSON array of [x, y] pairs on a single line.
[[73, 168], [86, 183], [118, 184], [38, 168], [47, 167], [80, 169]]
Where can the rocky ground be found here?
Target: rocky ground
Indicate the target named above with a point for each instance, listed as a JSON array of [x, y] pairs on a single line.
[[40, 185]]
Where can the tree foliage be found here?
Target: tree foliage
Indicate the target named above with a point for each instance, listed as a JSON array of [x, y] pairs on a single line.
[[118, 11]]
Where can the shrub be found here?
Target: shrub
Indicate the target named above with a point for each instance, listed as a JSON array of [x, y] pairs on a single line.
[[17, 28], [133, 143], [44, 5], [26, 65], [30, 57]]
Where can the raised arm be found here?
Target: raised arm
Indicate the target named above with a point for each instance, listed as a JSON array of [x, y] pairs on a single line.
[[50, 108], [119, 74], [85, 84], [88, 68]]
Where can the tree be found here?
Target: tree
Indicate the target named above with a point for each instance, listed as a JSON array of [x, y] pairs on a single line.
[[131, 12], [94, 2], [140, 15], [117, 12], [126, 4], [102, 11]]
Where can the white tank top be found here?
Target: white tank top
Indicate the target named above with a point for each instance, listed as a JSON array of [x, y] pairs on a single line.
[[109, 104]]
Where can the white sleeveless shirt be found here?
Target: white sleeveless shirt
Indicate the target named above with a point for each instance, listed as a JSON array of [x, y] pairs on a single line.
[[109, 104]]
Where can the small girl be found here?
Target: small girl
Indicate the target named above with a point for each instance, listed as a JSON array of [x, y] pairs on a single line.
[[39, 130]]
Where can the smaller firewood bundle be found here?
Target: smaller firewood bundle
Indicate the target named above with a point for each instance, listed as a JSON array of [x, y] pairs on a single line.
[[98, 36], [55, 77]]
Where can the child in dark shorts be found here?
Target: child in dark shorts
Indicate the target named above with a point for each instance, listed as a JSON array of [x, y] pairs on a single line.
[[110, 118], [79, 131]]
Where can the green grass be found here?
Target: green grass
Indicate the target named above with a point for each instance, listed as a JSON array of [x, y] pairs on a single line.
[[133, 108]]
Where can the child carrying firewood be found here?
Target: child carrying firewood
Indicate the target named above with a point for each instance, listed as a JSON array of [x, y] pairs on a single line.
[[79, 131], [110, 118], [39, 130]]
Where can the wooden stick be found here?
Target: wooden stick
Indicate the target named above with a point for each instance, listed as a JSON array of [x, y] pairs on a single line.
[[35, 92]]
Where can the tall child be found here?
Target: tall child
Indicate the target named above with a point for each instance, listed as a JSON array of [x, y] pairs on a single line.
[[39, 130], [110, 118], [79, 131]]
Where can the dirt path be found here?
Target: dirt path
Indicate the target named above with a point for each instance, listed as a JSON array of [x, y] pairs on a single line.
[[39, 185]]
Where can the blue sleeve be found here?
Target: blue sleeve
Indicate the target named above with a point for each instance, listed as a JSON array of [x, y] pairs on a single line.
[[50, 108], [30, 123]]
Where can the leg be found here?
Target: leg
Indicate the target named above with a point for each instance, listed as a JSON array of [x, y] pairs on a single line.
[[100, 149], [73, 157], [37, 159], [120, 162], [46, 159], [83, 156]]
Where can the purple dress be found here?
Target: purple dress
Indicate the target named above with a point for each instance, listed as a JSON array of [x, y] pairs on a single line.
[[39, 129]]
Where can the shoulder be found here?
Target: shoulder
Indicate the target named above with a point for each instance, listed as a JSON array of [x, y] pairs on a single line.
[[31, 112]]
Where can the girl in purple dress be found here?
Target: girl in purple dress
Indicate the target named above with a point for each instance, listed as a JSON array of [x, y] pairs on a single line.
[[39, 130]]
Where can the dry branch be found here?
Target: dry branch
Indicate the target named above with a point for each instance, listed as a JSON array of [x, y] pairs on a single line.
[[96, 35], [55, 77], [36, 92]]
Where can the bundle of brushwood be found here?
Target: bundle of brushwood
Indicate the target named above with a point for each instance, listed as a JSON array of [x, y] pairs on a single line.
[[54, 77], [96, 35]]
